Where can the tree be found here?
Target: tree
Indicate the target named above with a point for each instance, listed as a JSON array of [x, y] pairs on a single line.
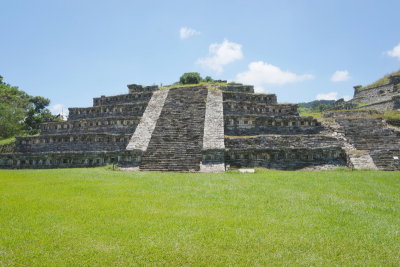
[[208, 79], [190, 78], [21, 112], [13, 103]]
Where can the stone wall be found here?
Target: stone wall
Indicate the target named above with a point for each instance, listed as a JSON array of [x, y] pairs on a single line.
[[72, 142], [136, 88], [256, 125], [98, 125], [375, 94], [286, 159], [254, 98], [121, 99], [47, 160], [238, 88], [373, 135], [249, 108], [280, 142], [136, 109], [7, 148], [384, 105]]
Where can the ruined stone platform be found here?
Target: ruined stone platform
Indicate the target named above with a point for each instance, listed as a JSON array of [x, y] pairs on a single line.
[[208, 128]]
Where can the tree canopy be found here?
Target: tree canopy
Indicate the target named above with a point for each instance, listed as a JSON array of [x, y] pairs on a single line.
[[190, 78], [20, 112]]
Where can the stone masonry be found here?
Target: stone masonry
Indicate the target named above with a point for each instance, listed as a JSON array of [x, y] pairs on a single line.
[[207, 128], [213, 138]]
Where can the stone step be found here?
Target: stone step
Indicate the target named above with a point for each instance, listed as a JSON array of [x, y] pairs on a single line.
[[176, 142]]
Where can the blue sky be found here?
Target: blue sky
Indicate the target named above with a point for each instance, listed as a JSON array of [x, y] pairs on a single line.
[[71, 51]]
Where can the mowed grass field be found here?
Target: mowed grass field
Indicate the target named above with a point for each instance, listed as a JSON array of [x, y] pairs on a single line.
[[86, 217]]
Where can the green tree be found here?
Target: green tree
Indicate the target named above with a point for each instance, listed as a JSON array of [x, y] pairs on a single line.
[[21, 112], [208, 79], [190, 78], [13, 104]]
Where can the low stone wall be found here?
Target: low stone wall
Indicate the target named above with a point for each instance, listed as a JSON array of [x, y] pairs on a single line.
[[121, 99], [98, 125], [254, 98], [67, 160], [135, 109], [256, 125], [72, 142]]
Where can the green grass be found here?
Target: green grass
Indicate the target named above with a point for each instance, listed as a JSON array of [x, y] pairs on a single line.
[[98, 217], [6, 141], [305, 112], [391, 114], [382, 81]]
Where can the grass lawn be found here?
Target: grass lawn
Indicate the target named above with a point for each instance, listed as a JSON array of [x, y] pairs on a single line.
[[81, 217]]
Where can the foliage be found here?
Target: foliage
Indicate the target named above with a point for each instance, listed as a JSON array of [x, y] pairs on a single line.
[[13, 107], [21, 112], [190, 78], [390, 115], [86, 217], [208, 79]]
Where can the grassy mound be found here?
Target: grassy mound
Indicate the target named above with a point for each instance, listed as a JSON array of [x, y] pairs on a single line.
[[75, 217]]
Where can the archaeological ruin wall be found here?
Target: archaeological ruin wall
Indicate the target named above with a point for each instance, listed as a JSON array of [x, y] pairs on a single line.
[[206, 128]]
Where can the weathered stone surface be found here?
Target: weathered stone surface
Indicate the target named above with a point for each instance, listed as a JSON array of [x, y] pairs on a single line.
[[374, 136], [142, 135], [213, 138], [383, 97], [263, 124], [202, 129], [177, 141]]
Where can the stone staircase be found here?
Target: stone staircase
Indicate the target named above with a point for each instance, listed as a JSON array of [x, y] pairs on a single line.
[[356, 159], [375, 137], [177, 140], [213, 139]]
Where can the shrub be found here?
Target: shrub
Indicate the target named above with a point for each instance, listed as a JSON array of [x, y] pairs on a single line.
[[190, 78]]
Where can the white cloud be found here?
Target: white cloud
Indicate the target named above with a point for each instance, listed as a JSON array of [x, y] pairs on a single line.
[[347, 97], [340, 76], [395, 52], [221, 55], [185, 32], [260, 73], [57, 109], [327, 96]]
